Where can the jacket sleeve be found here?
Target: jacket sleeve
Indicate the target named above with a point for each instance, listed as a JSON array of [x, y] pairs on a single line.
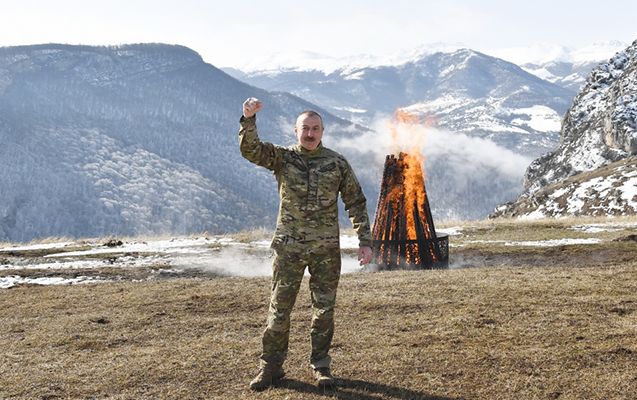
[[356, 206], [254, 150]]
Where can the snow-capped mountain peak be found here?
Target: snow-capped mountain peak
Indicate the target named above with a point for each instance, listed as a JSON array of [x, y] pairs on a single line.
[[544, 53], [300, 60]]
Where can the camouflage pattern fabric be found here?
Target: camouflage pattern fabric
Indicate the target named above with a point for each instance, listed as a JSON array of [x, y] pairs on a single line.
[[288, 268], [309, 184], [307, 235]]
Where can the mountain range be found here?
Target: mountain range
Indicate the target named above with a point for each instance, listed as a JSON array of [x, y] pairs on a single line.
[[463, 91], [129, 140], [141, 139]]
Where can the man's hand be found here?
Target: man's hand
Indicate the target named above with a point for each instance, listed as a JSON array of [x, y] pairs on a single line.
[[251, 106], [364, 255]]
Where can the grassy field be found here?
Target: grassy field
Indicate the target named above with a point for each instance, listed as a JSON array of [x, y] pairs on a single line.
[[532, 322]]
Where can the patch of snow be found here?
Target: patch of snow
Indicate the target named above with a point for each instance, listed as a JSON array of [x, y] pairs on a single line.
[[41, 246], [11, 281], [574, 77], [541, 118], [533, 215], [356, 76], [594, 228], [559, 193], [488, 123], [170, 246], [576, 201], [486, 241], [442, 105], [451, 231], [553, 242], [629, 190], [542, 73], [447, 71], [351, 109], [59, 265], [262, 244], [607, 227]]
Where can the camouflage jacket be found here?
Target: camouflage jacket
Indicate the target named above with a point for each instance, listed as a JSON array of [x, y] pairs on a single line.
[[309, 183]]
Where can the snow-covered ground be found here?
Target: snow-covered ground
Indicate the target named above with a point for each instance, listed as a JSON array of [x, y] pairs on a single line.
[[219, 255], [61, 263], [11, 281], [451, 231], [614, 193], [610, 227], [553, 242], [537, 243], [39, 246]]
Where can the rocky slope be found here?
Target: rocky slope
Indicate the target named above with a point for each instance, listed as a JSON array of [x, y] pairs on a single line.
[[609, 190], [599, 128], [594, 170]]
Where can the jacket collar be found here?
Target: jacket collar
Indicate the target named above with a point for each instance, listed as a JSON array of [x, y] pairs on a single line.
[[310, 153]]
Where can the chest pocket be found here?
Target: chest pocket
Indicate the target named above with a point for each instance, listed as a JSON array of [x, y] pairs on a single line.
[[293, 177], [329, 179]]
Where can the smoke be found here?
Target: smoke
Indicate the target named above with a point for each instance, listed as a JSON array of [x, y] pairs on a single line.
[[229, 261], [463, 152], [242, 262], [470, 154], [457, 261], [466, 176]]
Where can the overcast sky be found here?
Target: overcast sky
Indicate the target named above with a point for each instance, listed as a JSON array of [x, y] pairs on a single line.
[[232, 33]]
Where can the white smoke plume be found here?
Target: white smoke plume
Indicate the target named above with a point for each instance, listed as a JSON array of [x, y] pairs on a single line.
[[468, 176], [236, 261]]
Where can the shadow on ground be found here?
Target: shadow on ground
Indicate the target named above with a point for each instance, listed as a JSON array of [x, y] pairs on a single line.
[[359, 390]]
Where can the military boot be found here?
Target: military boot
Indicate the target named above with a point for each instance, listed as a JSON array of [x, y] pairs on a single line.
[[324, 378], [268, 375]]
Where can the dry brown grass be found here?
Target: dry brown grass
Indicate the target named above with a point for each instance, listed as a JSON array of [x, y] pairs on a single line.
[[546, 323], [251, 235], [564, 331]]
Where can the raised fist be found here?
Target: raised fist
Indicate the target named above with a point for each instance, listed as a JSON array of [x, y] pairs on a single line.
[[251, 106]]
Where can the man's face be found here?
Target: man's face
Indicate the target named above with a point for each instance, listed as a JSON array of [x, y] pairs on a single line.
[[309, 131]]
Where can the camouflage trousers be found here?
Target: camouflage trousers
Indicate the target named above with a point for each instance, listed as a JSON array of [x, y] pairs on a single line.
[[288, 268]]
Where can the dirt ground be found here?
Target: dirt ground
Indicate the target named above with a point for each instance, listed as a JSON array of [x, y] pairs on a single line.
[[509, 323]]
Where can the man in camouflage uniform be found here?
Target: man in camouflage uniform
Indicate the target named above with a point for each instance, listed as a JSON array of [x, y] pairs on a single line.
[[309, 178]]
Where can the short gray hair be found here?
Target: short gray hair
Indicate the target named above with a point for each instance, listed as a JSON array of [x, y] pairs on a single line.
[[311, 113]]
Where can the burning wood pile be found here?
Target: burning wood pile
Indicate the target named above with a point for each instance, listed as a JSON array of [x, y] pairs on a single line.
[[404, 236]]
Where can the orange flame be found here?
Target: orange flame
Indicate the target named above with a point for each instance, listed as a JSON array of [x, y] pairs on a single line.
[[413, 174], [403, 212]]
